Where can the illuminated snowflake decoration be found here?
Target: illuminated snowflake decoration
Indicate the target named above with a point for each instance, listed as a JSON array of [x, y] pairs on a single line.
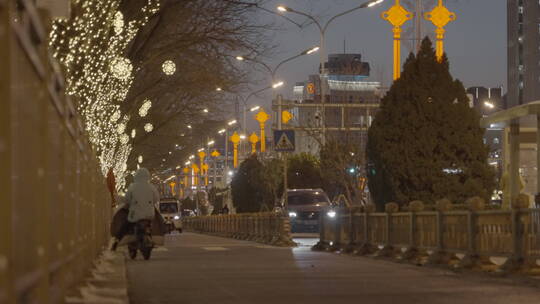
[[118, 23], [121, 128], [140, 159], [143, 110], [133, 133], [121, 68], [148, 127], [168, 67], [124, 139]]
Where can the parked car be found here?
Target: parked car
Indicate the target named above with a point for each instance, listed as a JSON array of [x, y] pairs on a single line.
[[304, 207], [169, 208]]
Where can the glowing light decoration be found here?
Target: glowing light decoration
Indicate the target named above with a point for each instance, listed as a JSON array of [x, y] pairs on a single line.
[[121, 128], [118, 23], [143, 110], [90, 44], [133, 133], [148, 127], [116, 116], [168, 67], [124, 139], [140, 159], [121, 68]]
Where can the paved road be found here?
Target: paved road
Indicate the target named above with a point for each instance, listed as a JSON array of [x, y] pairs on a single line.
[[202, 269]]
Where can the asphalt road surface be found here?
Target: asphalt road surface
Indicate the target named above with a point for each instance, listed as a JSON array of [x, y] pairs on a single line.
[[201, 269]]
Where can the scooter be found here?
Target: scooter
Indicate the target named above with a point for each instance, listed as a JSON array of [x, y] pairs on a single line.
[[142, 241]]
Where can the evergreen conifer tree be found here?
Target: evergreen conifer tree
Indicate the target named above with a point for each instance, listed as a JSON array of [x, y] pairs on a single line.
[[425, 142]]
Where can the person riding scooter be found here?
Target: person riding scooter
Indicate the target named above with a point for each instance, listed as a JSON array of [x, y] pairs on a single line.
[[140, 200]]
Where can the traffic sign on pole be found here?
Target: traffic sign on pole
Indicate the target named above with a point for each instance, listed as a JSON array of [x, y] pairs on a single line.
[[284, 141]]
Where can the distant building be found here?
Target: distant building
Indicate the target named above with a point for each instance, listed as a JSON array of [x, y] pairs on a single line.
[[523, 38], [523, 22], [350, 103]]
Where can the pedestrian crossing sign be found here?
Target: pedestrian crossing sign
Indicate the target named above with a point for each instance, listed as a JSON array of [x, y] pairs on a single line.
[[284, 141]]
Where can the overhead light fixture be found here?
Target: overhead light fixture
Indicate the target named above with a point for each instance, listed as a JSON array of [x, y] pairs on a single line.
[[232, 122], [254, 108], [277, 85], [313, 50]]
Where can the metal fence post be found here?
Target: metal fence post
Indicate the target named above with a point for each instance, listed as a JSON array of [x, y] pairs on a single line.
[[6, 270]]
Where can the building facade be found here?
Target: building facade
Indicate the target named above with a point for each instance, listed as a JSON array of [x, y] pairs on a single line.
[[350, 103], [523, 22], [523, 30]]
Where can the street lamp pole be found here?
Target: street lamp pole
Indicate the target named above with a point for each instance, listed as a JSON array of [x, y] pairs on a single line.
[[322, 31], [272, 72]]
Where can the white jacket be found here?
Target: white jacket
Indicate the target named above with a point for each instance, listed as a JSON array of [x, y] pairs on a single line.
[[141, 197]]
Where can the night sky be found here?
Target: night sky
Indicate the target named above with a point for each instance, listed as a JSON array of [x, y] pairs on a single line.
[[475, 42]]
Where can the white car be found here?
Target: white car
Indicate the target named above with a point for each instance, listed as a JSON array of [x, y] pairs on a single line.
[[171, 213]]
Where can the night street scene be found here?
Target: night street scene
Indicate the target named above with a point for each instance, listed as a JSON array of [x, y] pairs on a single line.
[[269, 151]]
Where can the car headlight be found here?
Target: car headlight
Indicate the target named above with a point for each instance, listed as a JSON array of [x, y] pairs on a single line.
[[331, 213], [176, 217], [292, 214]]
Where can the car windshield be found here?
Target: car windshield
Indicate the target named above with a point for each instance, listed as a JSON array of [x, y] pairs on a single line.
[[170, 207], [307, 198]]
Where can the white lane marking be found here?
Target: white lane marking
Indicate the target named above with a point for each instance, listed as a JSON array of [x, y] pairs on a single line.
[[269, 247], [215, 248], [159, 249]]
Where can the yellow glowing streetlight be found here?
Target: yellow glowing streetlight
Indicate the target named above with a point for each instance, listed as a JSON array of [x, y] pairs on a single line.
[[440, 16], [235, 139], [262, 117], [397, 15], [253, 139]]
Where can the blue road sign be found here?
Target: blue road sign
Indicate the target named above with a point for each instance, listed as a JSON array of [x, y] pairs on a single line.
[[284, 141]]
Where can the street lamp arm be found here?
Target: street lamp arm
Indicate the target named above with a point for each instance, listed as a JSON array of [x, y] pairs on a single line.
[[281, 15], [266, 66], [285, 61], [245, 100], [341, 14], [307, 16]]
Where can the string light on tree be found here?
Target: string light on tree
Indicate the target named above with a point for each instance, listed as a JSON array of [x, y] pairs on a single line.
[[124, 139], [121, 128], [143, 110], [168, 67], [148, 127], [133, 133], [118, 23], [121, 68], [140, 159]]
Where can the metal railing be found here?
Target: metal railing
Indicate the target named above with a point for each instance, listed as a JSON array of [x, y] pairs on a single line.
[[437, 236], [54, 207], [265, 227]]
